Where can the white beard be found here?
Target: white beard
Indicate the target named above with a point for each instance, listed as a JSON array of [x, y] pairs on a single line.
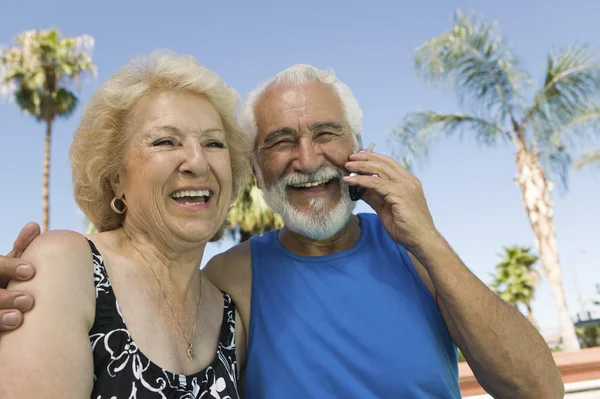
[[320, 222]]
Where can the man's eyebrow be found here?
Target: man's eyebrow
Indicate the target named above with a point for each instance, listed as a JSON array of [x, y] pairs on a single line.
[[286, 131], [325, 125]]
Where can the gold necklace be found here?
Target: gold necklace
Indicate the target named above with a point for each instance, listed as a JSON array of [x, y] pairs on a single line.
[[191, 352]]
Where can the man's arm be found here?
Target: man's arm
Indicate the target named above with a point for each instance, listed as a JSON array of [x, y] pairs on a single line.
[[508, 356], [506, 353], [50, 354], [231, 272], [14, 302]]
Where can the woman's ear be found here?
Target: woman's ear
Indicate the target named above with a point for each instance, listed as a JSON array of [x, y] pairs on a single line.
[[117, 187]]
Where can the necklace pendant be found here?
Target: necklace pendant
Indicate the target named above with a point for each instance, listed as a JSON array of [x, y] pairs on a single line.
[[191, 353]]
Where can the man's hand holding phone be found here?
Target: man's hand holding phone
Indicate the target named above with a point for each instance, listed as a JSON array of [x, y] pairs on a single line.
[[356, 192]]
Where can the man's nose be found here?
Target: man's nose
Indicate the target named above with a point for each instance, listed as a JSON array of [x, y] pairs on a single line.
[[195, 161], [310, 157]]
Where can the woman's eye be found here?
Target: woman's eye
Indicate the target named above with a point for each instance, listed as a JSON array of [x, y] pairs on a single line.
[[161, 142], [216, 144]]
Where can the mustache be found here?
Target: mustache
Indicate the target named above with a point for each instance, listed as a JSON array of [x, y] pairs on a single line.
[[328, 173]]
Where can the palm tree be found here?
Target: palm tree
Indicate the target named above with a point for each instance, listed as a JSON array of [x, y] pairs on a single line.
[[250, 215], [591, 157], [41, 70], [494, 91], [515, 279]]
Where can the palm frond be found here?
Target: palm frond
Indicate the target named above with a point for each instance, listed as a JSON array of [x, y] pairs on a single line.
[[583, 122], [421, 128], [557, 159], [558, 136], [589, 158], [28, 100], [474, 57], [65, 102], [571, 83], [41, 69]]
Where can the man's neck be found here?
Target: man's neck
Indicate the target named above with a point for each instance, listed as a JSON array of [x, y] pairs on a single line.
[[341, 241]]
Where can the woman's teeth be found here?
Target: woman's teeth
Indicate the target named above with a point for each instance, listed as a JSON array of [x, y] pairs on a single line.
[[191, 196]]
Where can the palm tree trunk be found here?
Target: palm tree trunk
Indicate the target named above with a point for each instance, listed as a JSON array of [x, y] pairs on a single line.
[[46, 179], [535, 190]]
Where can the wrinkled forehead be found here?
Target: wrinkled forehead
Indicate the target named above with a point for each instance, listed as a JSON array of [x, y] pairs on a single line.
[[184, 111], [296, 108]]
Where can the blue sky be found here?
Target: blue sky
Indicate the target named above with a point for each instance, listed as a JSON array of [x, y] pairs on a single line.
[[470, 189]]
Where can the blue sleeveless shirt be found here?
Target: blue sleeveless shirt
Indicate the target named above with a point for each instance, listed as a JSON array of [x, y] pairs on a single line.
[[354, 324]]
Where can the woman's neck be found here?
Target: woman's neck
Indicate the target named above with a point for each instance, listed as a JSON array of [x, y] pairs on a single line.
[[174, 262]]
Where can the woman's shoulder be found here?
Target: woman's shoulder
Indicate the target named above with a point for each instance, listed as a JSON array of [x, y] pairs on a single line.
[[59, 246], [64, 273], [60, 254], [60, 257]]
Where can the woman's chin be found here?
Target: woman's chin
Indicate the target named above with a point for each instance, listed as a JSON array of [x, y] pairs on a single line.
[[195, 234]]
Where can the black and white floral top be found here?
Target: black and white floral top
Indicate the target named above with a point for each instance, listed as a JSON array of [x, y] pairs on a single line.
[[121, 370]]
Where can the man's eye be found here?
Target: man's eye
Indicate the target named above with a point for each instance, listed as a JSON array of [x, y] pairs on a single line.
[[325, 134], [282, 142], [162, 142]]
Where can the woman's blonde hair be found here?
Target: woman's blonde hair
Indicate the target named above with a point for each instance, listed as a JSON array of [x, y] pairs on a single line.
[[98, 149]]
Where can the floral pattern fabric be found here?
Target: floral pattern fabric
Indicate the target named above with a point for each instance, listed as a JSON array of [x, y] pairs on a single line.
[[121, 370]]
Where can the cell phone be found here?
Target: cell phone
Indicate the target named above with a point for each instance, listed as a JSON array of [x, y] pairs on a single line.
[[356, 192]]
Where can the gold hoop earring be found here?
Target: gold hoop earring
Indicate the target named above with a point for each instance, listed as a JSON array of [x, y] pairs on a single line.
[[114, 206]]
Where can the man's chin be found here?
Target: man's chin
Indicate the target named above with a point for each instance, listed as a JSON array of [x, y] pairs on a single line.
[[318, 218], [317, 225], [307, 201], [311, 212]]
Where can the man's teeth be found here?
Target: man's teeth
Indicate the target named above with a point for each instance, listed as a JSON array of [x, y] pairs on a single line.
[[310, 184], [191, 193]]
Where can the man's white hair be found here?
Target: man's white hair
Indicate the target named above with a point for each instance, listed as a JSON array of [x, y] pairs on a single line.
[[301, 75]]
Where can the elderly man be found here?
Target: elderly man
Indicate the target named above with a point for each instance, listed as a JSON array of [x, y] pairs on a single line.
[[354, 306]]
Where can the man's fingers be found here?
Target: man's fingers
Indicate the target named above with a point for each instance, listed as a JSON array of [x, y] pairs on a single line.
[[15, 300], [14, 269], [370, 168], [372, 182], [391, 164], [28, 233], [374, 200], [10, 319], [11, 267]]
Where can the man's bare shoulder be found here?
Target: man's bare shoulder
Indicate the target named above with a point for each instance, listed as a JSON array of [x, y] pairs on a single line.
[[235, 258], [237, 253], [231, 269], [231, 272]]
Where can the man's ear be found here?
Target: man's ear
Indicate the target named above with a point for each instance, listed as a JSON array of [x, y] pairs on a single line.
[[253, 164]]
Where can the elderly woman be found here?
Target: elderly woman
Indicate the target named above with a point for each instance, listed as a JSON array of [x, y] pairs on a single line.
[[157, 159]]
